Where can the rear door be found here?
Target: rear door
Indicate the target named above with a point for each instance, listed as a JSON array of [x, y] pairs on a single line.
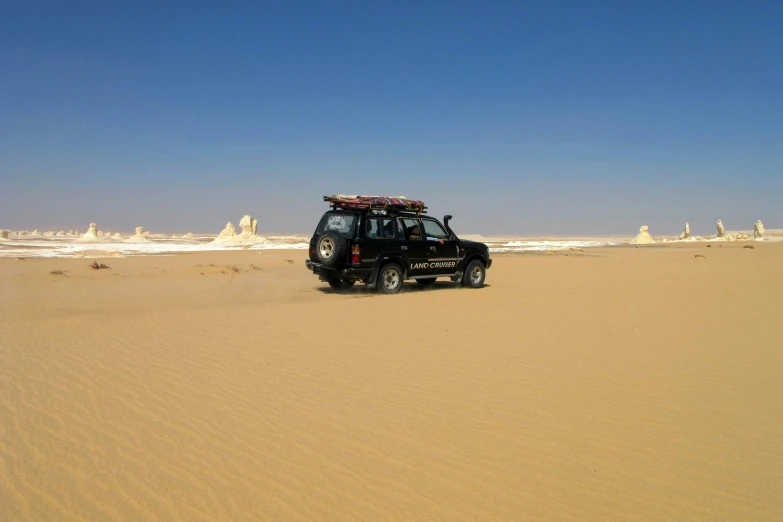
[[443, 252], [414, 247], [379, 237]]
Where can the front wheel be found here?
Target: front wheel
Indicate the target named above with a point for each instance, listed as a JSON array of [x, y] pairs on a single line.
[[390, 279], [340, 284], [474, 274]]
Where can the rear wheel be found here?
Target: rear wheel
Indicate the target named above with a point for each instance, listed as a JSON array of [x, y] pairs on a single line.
[[340, 284], [474, 274], [427, 282], [390, 279]]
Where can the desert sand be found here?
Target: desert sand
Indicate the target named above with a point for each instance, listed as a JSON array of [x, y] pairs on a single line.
[[619, 383]]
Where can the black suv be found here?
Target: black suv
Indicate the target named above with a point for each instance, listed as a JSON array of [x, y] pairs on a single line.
[[382, 247]]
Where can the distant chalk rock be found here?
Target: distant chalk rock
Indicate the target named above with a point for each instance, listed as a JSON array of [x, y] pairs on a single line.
[[721, 229], [139, 237], [687, 232], [758, 230], [91, 234], [189, 235], [4, 234], [644, 237], [247, 236]]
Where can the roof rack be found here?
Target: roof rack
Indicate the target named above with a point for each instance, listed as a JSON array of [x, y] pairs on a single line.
[[394, 204]]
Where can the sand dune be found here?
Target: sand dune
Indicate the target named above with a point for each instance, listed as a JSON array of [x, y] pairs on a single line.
[[616, 384]]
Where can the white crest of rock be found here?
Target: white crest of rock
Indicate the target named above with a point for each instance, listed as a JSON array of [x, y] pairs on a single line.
[[35, 232], [758, 230], [117, 236], [247, 236], [4, 233], [248, 225], [189, 235], [644, 237], [229, 231], [687, 232], [721, 230], [91, 234], [139, 237], [60, 233]]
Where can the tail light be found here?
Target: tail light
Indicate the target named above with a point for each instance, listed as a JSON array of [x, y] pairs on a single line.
[[355, 257]]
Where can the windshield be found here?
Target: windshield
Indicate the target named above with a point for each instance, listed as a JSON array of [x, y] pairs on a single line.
[[340, 222]]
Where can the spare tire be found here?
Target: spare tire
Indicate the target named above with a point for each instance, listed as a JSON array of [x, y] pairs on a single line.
[[331, 248]]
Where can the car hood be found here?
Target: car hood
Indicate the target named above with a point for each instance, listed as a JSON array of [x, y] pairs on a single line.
[[467, 244]]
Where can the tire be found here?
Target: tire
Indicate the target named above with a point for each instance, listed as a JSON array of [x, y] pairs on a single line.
[[390, 279], [475, 274], [340, 284], [331, 248], [427, 282]]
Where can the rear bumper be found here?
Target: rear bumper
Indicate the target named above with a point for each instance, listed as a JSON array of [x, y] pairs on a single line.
[[325, 272]]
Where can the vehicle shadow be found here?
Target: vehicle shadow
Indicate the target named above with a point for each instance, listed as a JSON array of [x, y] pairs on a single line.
[[410, 287]]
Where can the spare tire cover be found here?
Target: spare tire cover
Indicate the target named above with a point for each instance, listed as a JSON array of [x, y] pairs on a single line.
[[331, 248]]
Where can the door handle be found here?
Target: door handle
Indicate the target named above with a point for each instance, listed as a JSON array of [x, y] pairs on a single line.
[[432, 248], [403, 247]]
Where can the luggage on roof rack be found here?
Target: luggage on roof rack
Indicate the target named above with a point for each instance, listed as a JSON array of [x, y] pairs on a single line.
[[375, 203]]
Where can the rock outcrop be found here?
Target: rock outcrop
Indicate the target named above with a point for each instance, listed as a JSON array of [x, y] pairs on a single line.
[[687, 232], [35, 232], [116, 236], [139, 237], [758, 230], [248, 235], [248, 225], [91, 234], [189, 235], [644, 237], [60, 233], [229, 231], [4, 234], [721, 229]]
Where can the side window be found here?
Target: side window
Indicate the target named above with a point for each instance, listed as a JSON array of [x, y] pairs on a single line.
[[412, 229], [433, 230], [380, 228]]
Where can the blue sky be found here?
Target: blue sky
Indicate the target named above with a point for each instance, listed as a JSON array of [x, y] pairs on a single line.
[[517, 117]]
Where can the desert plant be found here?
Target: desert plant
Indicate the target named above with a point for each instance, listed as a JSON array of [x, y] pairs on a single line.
[[98, 266], [57, 272]]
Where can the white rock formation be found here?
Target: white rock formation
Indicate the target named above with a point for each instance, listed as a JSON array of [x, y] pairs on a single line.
[[48, 233], [117, 236], [139, 237], [189, 235], [35, 232], [73, 233], [60, 233], [247, 236], [721, 230], [4, 234], [687, 232], [229, 231], [644, 237], [91, 234], [734, 236], [758, 230]]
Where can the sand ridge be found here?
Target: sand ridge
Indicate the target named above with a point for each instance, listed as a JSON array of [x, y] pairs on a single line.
[[612, 384]]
